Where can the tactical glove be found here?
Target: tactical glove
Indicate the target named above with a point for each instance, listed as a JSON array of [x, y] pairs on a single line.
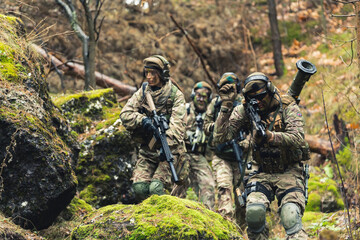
[[259, 140], [148, 126], [228, 95]]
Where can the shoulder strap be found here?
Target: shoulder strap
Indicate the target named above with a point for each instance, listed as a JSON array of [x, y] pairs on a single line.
[[143, 88], [187, 108], [217, 106]]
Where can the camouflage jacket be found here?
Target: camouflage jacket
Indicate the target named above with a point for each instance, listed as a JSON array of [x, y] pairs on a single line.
[[287, 145], [168, 100]]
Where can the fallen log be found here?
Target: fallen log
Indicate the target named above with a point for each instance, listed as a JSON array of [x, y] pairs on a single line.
[[78, 70], [320, 146]]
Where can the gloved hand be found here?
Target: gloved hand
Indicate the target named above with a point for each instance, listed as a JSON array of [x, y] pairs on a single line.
[[228, 95], [148, 126], [259, 140]]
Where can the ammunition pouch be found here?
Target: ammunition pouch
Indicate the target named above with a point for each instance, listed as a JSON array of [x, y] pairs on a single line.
[[139, 137], [182, 168], [277, 159]]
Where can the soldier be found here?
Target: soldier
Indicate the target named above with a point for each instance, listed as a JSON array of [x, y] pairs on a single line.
[[226, 169], [152, 175], [200, 177], [278, 152]]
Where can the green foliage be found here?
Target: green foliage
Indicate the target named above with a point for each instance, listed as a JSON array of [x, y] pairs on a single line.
[[319, 186], [315, 222], [345, 157]]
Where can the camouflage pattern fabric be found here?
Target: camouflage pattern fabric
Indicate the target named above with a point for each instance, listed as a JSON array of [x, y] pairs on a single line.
[[148, 166], [292, 177], [201, 180], [131, 116], [227, 175], [226, 172], [288, 135], [200, 176]]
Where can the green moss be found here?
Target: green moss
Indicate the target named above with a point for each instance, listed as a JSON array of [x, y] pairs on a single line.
[[158, 217], [60, 100], [89, 194], [314, 202], [345, 157], [320, 185]]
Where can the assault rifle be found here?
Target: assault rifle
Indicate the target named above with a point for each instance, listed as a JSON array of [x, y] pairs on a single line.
[[161, 126], [239, 159], [306, 176], [198, 132], [252, 110]]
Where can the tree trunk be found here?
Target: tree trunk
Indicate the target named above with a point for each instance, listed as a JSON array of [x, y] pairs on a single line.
[[357, 12], [91, 43], [275, 37]]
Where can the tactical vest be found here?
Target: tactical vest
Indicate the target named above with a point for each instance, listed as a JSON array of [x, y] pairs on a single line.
[[167, 109], [138, 134], [275, 159]]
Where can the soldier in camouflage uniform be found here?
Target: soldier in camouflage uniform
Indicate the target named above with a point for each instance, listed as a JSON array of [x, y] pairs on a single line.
[[150, 175], [278, 154], [200, 177], [226, 168]]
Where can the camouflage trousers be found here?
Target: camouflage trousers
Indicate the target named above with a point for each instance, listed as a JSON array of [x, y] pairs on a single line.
[[148, 167], [201, 179], [227, 176], [279, 182]]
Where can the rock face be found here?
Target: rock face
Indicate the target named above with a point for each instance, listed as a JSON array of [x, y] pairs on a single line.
[[37, 149], [105, 163], [158, 217]]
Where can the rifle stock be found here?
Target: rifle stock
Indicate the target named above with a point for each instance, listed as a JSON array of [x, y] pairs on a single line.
[[161, 127]]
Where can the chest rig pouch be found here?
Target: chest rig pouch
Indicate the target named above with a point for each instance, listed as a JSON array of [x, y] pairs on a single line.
[[275, 159], [166, 101], [164, 111]]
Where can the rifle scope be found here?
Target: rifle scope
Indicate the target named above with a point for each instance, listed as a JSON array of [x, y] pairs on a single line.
[[306, 69]]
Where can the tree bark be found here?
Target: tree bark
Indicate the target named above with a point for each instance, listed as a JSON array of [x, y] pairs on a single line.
[[357, 13], [78, 70], [89, 58], [275, 37]]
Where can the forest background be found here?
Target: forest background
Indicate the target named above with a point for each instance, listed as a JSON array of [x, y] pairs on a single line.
[[225, 36]]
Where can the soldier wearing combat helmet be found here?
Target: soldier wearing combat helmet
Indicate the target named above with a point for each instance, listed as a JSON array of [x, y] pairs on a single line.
[[152, 174], [226, 168], [278, 153], [200, 176]]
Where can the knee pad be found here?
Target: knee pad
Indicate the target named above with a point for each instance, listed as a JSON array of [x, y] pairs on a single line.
[[156, 187], [256, 217], [141, 190], [290, 218]]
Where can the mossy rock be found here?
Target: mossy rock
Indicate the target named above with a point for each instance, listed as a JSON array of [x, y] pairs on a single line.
[[36, 147], [323, 193], [158, 217], [105, 166], [83, 108]]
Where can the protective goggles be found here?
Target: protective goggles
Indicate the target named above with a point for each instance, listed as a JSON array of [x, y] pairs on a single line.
[[258, 96]]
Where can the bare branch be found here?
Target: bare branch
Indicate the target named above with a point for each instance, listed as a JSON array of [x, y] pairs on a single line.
[[196, 51], [342, 189]]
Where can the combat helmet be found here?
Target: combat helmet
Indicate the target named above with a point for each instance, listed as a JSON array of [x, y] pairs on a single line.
[[159, 63]]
